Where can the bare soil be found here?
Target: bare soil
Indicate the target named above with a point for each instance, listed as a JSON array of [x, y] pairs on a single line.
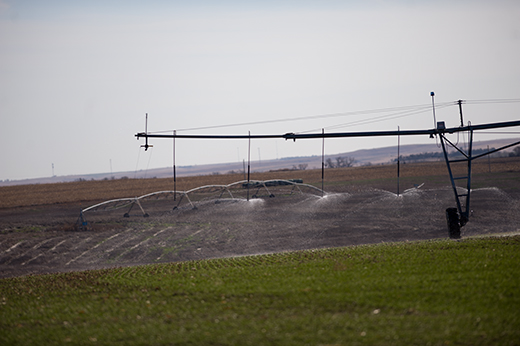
[[38, 238]]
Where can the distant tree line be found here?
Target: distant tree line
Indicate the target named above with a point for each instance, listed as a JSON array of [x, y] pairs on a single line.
[[111, 178], [431, 156], [340, 162], [301, 167], [515, 152]]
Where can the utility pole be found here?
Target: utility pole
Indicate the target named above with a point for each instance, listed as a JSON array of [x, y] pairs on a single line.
[[460, 111]]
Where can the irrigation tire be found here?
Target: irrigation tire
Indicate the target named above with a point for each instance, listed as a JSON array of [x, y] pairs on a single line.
[[452, 217]]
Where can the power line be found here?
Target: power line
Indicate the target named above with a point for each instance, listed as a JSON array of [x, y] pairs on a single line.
[[397, 112], [500, 132], [381, 118], [311, 117], [492, 101]]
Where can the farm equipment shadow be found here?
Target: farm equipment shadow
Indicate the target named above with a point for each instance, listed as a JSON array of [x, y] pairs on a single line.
[[36, 240]]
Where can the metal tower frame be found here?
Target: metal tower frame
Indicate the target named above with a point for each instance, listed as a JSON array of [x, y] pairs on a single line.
[[456, 217]]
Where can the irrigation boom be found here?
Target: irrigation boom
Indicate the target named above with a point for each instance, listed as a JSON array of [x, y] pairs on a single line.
[[456, 217], [295, 136]]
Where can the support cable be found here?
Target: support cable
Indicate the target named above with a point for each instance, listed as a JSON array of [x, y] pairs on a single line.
[[416, 108], [396, 113], [378, 119]]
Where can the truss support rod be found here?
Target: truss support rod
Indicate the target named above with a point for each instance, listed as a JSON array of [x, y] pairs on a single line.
[[463, 212], [444, 150], [398, 159], [455, 147], [232, 197], [145, 214], [136, 201], [465, 216], [487, 153], [495, 150], [174, 169], [248, 165], [322, 161]]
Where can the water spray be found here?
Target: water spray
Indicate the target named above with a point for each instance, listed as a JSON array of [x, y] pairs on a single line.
[[439, 129]]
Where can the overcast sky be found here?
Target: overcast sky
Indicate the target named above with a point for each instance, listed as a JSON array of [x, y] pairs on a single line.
[[77, 77]]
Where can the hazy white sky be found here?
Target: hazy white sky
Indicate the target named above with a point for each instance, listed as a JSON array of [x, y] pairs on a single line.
[[77, 77]]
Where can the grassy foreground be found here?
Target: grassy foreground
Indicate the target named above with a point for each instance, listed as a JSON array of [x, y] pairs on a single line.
[[426, 293]]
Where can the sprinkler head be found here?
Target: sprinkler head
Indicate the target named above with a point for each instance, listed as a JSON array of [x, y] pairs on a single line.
[[290, 134]]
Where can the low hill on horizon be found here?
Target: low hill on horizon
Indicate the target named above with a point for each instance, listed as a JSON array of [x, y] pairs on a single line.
[[362, 157]]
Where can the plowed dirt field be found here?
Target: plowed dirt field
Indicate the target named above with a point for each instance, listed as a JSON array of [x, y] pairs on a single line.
[[361, 206]]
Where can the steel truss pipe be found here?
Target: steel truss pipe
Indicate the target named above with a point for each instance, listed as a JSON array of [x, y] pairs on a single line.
[[295, 136]]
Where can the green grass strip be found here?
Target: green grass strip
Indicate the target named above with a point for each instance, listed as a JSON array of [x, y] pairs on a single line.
[[438, 292]]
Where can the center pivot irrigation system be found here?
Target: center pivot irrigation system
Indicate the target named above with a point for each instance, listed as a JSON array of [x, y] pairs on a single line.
[[456, 217]]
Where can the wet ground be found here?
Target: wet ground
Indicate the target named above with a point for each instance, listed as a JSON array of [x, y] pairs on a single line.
[[36, 240]]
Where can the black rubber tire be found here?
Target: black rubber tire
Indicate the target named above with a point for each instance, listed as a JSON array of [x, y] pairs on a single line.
[[452, 217]]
